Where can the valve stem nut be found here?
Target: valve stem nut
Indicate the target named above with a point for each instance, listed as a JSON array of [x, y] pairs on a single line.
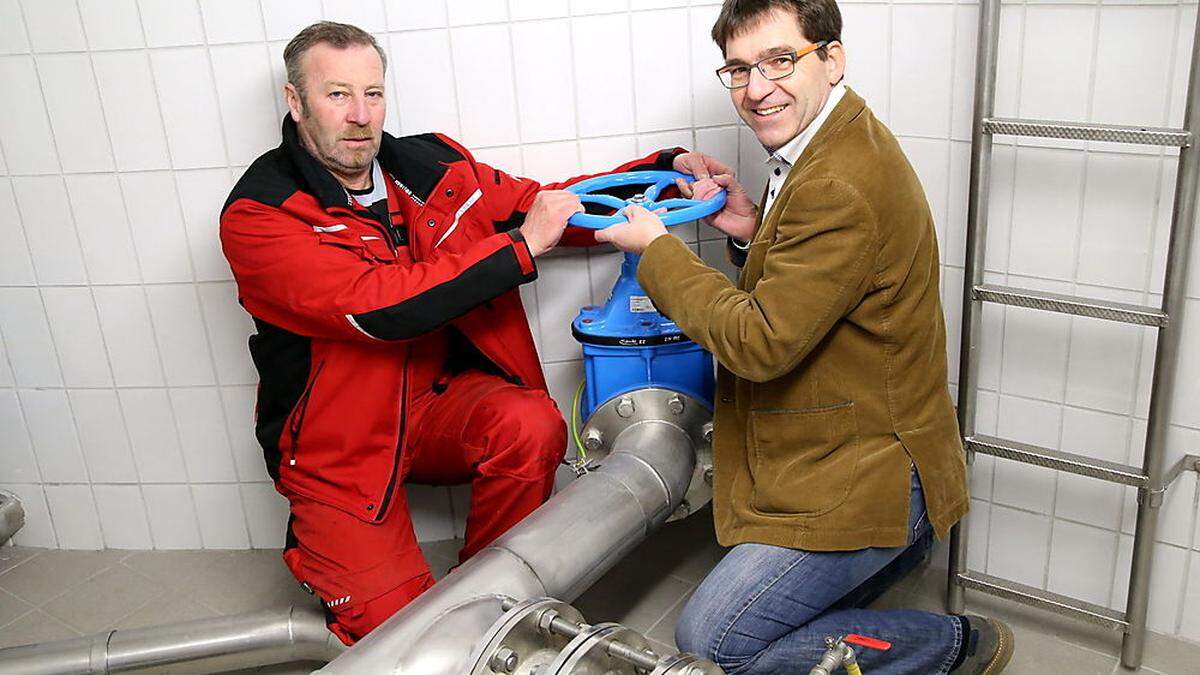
[[675, 405], [625, 407], [504, 660], [707, 431]]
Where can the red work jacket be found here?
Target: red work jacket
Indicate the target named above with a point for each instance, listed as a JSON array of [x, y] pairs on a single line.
[[336, 309]]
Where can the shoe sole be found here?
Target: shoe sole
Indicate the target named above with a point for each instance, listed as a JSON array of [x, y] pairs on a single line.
[[1004, 650]]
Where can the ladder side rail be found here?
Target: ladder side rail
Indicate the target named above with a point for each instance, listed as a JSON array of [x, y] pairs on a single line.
[[988, 47], [1170, 339]]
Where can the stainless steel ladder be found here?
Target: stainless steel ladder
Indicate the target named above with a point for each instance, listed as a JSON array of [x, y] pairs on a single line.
[[1152, 479]]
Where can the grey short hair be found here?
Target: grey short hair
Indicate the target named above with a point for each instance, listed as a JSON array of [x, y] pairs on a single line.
[[339, 35]]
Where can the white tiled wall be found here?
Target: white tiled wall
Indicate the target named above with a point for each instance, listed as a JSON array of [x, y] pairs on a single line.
[[126, 391]]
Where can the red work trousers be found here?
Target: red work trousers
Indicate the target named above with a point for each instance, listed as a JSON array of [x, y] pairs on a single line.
[[505, 440]]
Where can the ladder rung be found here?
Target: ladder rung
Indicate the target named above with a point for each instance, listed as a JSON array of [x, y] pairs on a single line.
[[1057, 459], [1069, 304], [1036, 597], [1083, 131]]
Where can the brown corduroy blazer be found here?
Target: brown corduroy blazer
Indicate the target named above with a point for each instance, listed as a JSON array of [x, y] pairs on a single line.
[[832, 352]]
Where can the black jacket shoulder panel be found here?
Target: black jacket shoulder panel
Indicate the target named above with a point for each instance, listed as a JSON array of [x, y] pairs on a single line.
[[270, 180], [418, 162]]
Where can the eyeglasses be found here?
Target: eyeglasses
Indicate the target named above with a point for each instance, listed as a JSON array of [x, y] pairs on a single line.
[[774, 67]]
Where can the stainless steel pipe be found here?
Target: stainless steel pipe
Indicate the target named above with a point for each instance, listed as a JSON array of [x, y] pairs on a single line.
[[558, 551], [12, 516], [207, 646]]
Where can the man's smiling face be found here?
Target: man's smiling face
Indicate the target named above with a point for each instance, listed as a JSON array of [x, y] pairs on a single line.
[[778, 110]]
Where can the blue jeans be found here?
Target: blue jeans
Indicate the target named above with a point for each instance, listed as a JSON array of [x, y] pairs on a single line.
[[767, 609]]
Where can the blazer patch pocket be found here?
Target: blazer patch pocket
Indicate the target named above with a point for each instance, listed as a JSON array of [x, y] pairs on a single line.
[[803, 462]]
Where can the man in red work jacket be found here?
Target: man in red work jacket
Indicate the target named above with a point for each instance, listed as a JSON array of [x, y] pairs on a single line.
[[391, 344]]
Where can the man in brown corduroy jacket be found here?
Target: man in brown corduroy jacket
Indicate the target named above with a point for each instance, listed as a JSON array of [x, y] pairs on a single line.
[[837, 455]]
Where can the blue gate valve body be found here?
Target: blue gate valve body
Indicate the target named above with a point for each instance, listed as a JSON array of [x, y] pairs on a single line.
[[627, 343]]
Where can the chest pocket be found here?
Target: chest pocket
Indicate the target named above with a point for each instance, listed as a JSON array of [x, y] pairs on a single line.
[[370, 246]]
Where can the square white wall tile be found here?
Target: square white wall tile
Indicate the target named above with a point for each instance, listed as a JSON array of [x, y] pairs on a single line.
[[38, 530], [524, 10], [463, 12], [1123, 92], [128, 336], [17, 461], [266, 515], [49, 229], [201, 422], [122, 514], [551, 162], [1187, 378], [172, 515], [52, 430], [662, 102], [366, 14], [603, 268], [966, 18], [181, 336], [171, 24], [102, 435], [201, 196], [16, 265], [562, 289], [103, 229], [1081, 561], [978, 523], [1190, 627], [76, 331], [483, 70], [24, 128], [931, 160], [73, 512], [222, 520], [1104, 358], [75, 116], [27, 338], [1054, 82], [229, 328], [246, 96], [239, 405], [710, 99], [598, 155], [155, 221], [285, 18], [545, 84], [112, 24], [921, 74], [422, 76], [406, 15], [152, 431], [191, 114], [1117, 237], [12, 28], [131, 110], [54, 25], [598, 6], [1035, 353], [604, 75], [1018, 545], [231, 21], [867, 35], [1045, 219]]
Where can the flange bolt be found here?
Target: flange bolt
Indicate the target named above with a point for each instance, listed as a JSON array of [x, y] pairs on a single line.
[[504, 660], [625, 407]]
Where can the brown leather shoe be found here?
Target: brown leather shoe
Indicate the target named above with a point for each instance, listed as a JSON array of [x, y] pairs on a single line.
[[989, 647]]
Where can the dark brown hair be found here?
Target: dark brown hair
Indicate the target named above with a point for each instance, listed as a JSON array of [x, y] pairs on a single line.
[[819, 19], [339, 35]]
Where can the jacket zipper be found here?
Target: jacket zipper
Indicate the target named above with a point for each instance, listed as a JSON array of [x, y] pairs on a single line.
[[387, 495], [298, 418]]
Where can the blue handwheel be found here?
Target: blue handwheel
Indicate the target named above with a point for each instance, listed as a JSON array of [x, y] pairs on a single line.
[[679, 210]]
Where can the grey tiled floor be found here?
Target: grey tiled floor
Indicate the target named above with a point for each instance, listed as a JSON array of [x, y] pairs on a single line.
[[50, 595]]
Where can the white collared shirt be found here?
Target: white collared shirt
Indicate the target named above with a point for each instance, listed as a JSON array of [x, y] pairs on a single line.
[[780, 162]]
